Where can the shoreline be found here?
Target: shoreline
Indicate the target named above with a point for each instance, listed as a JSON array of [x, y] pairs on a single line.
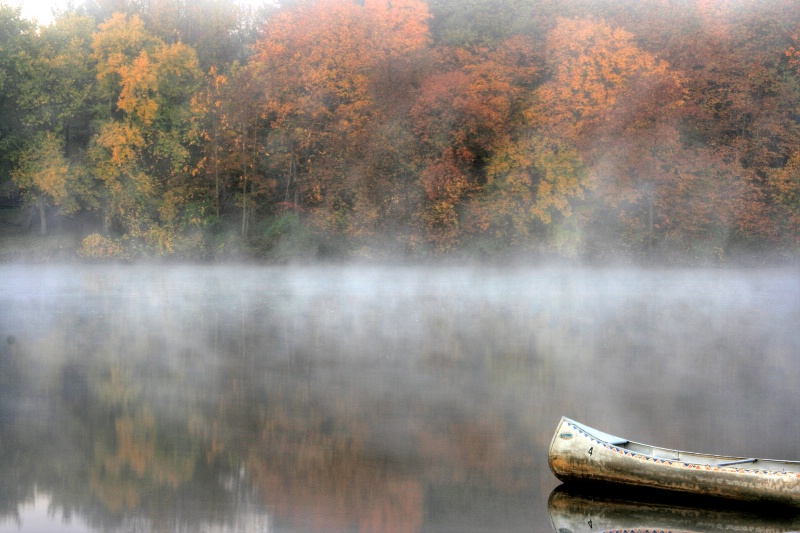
[[20, 247]]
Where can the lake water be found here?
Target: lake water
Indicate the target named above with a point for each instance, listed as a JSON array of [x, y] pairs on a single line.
[[305, 399]]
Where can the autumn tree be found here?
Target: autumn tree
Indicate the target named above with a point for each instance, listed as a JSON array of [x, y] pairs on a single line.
[[207, 107], [487, 23], [376, 125], [42, 174], [463, 115], [617, 105], [785, 183], [319, 58], [220, 31], [244, 125], [531, 181], [141, 153], [593, 67], [46, 82], [741, 99], [229, 128], [50, 84], [61, 98], [16, 50], [784, 180]]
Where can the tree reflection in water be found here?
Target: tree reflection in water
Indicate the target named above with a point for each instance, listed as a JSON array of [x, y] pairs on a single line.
[[345, 399]]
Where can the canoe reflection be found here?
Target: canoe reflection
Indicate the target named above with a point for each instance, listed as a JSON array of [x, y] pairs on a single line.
[[601, 508]]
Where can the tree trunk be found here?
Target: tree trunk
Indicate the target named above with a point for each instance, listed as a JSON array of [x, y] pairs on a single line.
[[244, 209], [42, 216], [650, 228], [244, 180], [106, 220], [216, 168]]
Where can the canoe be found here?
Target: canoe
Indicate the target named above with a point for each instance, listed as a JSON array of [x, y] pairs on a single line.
[[575, 510], [578, 452]]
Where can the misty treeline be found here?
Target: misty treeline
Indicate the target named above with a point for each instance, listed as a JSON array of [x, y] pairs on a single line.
[[377, 128]]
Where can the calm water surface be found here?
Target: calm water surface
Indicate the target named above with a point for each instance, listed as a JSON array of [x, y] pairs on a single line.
[[305, 399]]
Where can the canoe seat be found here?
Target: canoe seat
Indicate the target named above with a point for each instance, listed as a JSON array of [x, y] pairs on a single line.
[[617, 442]]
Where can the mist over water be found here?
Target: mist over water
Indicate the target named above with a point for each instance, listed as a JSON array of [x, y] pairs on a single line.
[[369, 398]]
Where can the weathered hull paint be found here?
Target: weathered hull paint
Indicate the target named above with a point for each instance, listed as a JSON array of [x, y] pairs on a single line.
[[578, 452]]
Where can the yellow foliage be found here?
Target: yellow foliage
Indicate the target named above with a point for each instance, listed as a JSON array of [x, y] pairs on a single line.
[[177, 61], [138, 82], [168, 211], [786, 182], [43, 169], [119, 41], [98, 247], [530, 180], [122, 140], [159, 238]]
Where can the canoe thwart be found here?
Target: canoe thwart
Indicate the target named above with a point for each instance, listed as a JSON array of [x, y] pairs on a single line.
[[737, 462]]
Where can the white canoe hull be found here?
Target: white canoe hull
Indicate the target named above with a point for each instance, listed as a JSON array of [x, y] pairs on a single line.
[[578, 452]]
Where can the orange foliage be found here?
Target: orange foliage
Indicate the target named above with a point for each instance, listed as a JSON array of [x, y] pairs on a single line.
[[138, 84], [118, 41], [793, 52], [319, 60], [318, 55], [462, 116], [469, 105], [402, 25], [593, 66], [445, 183]]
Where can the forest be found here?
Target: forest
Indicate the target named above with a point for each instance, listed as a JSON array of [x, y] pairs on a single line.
[[590, 130]]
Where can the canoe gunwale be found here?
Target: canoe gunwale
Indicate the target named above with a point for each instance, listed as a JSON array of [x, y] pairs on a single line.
[[683, 456]]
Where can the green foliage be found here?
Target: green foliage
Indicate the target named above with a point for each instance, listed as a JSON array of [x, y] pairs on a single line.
[[484, 22], [17, 41], [198, 215], [59, 91], [287, 237]]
